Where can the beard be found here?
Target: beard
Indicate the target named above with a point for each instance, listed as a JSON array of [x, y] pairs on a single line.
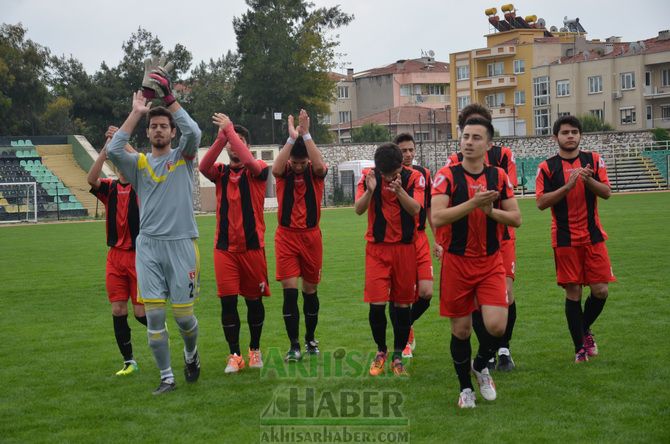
[[161, 143], [568, 147]]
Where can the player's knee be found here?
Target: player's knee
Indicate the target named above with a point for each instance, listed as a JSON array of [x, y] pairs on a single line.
[[461, 331], [155, 316], [426, 294], [119, 309], [184, 318], [496, 329], [600, 294]]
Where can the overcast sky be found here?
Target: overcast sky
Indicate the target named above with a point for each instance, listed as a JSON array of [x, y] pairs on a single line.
[[382, 32]]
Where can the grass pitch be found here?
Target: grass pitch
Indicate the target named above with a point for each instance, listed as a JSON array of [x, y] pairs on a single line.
[[59, 355]]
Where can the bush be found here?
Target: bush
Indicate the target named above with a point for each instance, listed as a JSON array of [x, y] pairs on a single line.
[[592, 124], [660, 134]]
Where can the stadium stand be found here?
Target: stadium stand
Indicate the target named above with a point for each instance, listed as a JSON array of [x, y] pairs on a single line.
[[659, 158]]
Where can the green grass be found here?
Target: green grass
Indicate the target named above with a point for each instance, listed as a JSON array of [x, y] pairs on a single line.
[[58, 352]]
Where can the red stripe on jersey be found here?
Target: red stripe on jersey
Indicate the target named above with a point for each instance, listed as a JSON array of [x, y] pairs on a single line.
[[299, 198], [388, 222], [425, 172], [240, 197], [575, 220], [474, 235], [122, 213]]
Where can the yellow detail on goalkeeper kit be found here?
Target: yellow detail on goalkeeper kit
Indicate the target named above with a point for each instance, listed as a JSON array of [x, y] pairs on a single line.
[[143, 163]]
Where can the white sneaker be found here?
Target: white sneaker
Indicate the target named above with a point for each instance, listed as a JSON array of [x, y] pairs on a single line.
[[486, 385], [466, 400]]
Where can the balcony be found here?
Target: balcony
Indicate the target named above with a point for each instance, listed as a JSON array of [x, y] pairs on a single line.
[[494, 53], [655, 92], [501, 112], [495, 82]]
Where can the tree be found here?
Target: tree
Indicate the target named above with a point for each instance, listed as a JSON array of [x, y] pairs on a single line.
[[23, 94], [285, 55], [592, 124], [370, 132]]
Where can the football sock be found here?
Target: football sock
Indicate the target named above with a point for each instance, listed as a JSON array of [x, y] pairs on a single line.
[[158, 335], [461, 352], [310, 307], [188, 327], [377, 318], [488, 345], [478, 325], [392, 312], [291, 314], [142, 320], [230, 321], [255, 318], [573, 313], [400, 330], [511, 319], [122, 335], [167, 375], [419, 308], [592, 309]]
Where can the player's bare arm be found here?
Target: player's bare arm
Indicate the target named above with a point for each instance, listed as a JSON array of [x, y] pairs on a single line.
[[239, 147], [362, 204], [279, 165], [318, 164], [408, 203], [553, 197]]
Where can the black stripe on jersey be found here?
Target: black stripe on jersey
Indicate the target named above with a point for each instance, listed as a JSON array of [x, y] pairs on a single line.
[[289, 200], [586, 158], [112, 203], [379, 224], [248, 218], [133, 216], [459, 194], [407, 221], [426, 200], [310, 199], [459, 155], [222, 241], [492, 243], [556, 181]]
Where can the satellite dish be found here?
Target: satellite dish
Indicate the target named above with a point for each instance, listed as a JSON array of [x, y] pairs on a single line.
[[553, 29], [431, 53], [541, 23]]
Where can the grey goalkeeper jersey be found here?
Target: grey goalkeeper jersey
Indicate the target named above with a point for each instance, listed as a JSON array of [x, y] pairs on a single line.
[[164, 185]]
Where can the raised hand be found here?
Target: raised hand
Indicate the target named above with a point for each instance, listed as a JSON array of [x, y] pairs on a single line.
[[292, 131], [371, 181], [303, 121], [396, 184], [140, 103], [221, 120]]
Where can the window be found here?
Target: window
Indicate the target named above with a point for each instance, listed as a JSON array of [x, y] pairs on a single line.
[[627, 80], [435, 90], [541, 122], [665, 77], [495, 100], [463, 72], [567, 113], [597, 113], [267, 155], [562, 88], [519, 97], [665, 112], [345, 116], [342, 92], [325, 119], [495, 69], [595, 84], [519, 66], [463, 101], [541, 91], [627, 116], [422, 136], [405, 90]]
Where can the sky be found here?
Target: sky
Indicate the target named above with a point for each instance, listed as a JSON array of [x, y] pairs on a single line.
[[382, 31]]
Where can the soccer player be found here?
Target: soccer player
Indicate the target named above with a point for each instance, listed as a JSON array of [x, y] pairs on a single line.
[[424, 261], [392, 195], [502, 157], [471, 203], [122, 219], [571, 183], [167, 258], [300, 171], [239, 250]]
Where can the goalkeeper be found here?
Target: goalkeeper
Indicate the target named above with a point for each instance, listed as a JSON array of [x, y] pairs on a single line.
[[167, 258]]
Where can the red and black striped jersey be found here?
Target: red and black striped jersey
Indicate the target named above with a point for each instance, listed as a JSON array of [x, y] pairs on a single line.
[[299, 197], [122, 212], [476, 234], [501, 157], [575, 218], [425, 172], [240, 198], [388, 221]]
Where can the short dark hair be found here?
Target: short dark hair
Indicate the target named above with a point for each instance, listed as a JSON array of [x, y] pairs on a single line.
[[388, 158], [242, 132], [403, 137], [473, 108], [299, 150], [160, 111], [483, 122], [567, 120]]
